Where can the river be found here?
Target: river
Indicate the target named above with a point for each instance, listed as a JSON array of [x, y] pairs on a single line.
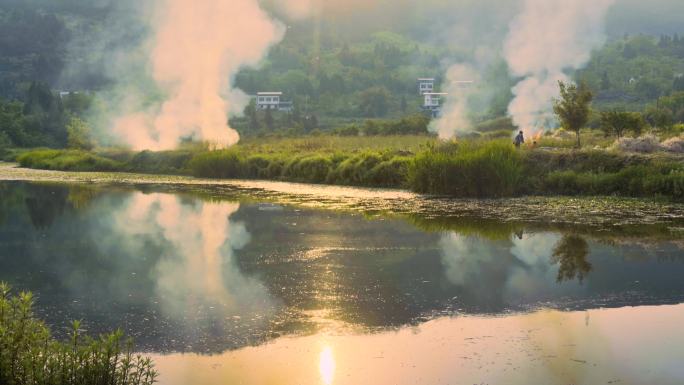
[[259, 283]]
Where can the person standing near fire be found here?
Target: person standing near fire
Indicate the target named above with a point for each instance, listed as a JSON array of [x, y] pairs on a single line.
[[519, 140]]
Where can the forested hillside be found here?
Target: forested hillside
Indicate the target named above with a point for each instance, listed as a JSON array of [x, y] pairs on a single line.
[[636, 70]]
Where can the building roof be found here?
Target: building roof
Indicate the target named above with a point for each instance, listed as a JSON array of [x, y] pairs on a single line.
[[426, 79], [269, 93], [436, 93]]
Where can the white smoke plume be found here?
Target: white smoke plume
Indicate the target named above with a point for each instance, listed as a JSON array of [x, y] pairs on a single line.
[[201, 274], [196, 50], [520, 269], [546, 40], [461, 83], [465, 257]]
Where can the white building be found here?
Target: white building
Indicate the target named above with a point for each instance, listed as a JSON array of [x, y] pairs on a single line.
[[433, 102], [64, 94], [272, 101], [426, 85], [268, 100]]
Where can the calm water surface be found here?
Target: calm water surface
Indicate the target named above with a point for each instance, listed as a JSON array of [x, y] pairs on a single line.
[[252, 292]]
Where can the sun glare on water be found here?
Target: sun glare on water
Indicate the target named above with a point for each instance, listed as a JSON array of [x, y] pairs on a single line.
[[326, 365]]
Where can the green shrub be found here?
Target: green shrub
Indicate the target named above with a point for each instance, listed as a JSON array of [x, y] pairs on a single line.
[[355, 170], [67, 160], [30, 355], [217, 164], [636, 181], [389, 173], [162, 162], [256, 166], [312, 169], [275, 169]]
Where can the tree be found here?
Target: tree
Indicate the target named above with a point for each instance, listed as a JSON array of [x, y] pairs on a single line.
[[79, 135], [268, 119], [605, 81], [5, 141], [571, 255], [310, 123], [572, 108], [618, 122], [678, 84], [374, 102], [659, 118], [403, 104], [250, 112]]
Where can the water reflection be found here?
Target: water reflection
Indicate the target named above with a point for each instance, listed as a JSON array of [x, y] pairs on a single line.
[[628, 345], [198, 279], [182, 273], [45, 204], [571, 255], [326, 366]]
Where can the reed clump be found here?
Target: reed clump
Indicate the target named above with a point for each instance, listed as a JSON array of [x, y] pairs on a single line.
[[468, 169]]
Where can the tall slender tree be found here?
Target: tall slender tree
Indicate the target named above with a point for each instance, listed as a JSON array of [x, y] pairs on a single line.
[[572, 108]]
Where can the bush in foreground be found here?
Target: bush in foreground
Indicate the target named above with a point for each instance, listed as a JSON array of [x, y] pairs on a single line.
[[30, 355]]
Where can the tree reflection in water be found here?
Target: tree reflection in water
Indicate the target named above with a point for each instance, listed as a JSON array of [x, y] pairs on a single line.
[[570, 253]]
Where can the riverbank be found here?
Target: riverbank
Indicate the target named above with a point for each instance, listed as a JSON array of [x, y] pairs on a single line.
[[593, 212], [478, 169]]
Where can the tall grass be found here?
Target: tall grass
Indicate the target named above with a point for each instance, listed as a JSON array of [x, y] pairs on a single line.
[[468, 169], [67, 160], [638, 181], [482, 167], [370, 168], [29, 355]]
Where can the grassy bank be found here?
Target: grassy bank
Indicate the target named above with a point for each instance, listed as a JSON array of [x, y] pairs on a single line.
[[30, 355], [474, 168]]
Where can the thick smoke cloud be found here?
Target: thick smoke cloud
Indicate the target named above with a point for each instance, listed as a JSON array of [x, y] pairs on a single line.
[[196, 49], [546, 40], [461, 83]]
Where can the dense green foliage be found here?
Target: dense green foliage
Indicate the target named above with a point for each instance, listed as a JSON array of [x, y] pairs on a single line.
[[72, 160], [43, 119], [32, 47], [410, 125], [29, 355], [633, 72], [599, 172], [572, 108], [619, 122]]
